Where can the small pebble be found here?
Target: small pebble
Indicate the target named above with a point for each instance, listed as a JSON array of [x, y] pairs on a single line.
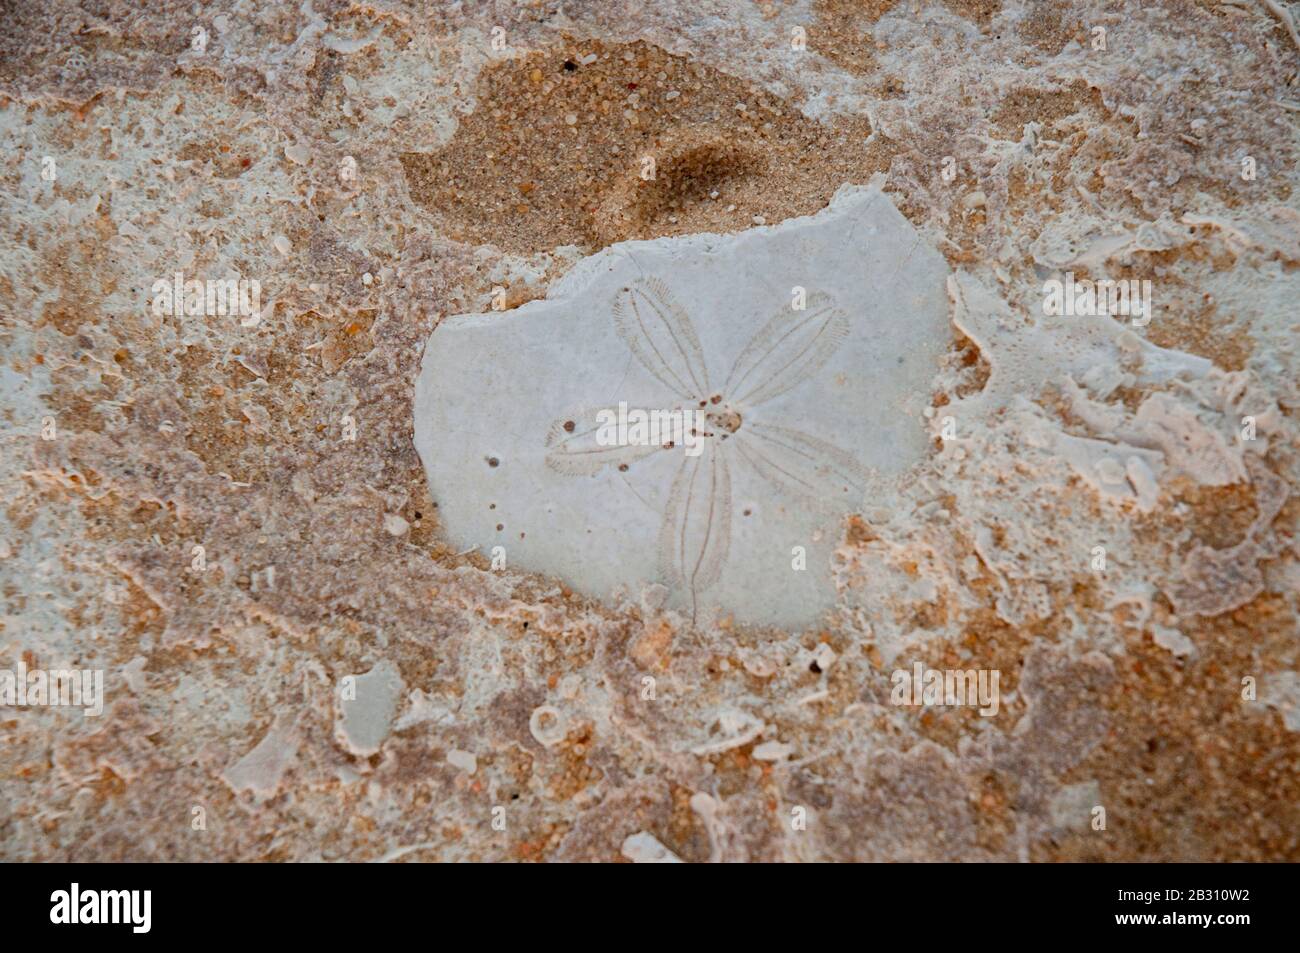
[[824, 656], [464, 760], [644, 848]]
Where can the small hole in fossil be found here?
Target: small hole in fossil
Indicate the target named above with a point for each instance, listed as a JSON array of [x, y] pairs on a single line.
[[493, 461], [568, 426]]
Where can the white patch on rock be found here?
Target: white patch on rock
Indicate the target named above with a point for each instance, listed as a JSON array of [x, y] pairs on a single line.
[[1071, 807], [645, 848], [363, 722], [1174, 641], [1281, 692], [261, 770], [810, 344], [462, 760], [824, 656], [1188, 444]]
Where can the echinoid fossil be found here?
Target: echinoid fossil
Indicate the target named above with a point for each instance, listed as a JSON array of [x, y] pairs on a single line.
[[699, 412]]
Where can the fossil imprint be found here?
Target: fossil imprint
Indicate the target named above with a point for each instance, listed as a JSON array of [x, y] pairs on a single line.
[[804, 353], [695, 538]]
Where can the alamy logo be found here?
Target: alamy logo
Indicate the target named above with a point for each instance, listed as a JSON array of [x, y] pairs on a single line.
[[1124, 298], [102, 906], [214, 297], [935, 687], [651, 428], [68, 688]]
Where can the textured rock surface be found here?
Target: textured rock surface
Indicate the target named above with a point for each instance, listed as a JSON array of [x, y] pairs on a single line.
[[228, 516]]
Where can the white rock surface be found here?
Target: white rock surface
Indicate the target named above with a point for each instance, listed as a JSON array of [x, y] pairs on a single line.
[[644, 848], [462, 760], [829, 400], [261, 770], [364, 721]]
